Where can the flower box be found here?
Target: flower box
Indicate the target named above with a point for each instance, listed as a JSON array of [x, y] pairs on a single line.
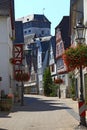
[[58, 81], [22, 77], [12, 60]]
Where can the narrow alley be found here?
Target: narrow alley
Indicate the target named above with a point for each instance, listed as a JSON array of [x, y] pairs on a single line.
[[41, 113]]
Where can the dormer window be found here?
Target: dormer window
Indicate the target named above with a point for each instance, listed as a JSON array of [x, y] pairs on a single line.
[[25, 32], [29, 31], [27, 19]]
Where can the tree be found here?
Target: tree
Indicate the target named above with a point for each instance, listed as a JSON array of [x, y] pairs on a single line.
[[54, 88], [47, 82]]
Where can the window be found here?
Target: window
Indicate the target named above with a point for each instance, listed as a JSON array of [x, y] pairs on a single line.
[[60, 63], [51, 55], [27, 19], [33, 89], [29, 31], [61, 48], [57, 50], [52, 68], [42, 32], [39, 59], [25, 32]]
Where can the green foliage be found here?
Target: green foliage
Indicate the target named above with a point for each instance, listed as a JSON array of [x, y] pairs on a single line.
[[54, 88], [47, 82], [50, 88]]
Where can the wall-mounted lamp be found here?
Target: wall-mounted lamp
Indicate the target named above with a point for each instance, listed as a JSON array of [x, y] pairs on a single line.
[[80, 38], [80, 31]]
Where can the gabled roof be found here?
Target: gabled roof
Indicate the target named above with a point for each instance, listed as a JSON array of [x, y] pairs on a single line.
[[64, 28], [38, 17]]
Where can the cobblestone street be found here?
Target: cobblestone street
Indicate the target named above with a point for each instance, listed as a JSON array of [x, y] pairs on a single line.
[[42, 113]]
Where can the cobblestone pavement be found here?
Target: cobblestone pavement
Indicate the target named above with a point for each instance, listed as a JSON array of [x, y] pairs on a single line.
[[42, 113]]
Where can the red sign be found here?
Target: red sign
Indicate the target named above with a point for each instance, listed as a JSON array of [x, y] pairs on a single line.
[[18, 57], [18, 53]]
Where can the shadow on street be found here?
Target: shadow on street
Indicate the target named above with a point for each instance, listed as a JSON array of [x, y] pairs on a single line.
[[33, 104], [4, 115], [3, 129]]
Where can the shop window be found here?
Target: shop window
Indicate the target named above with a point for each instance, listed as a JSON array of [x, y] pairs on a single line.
[[32, 77]]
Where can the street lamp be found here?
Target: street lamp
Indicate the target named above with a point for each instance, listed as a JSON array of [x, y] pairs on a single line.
[[80, 31], [80, 38]]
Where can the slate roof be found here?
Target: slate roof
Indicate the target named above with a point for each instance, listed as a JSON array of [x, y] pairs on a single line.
[[31, 56], [19, 37], [34, 17], [64, 28], [40, 18], [53, 41], [45, 47], [45, 42], [35, 20]]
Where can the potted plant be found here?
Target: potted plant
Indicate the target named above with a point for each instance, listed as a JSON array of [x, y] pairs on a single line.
[[12, 60], [6, 102], [58, 81], [75, 57], [22, 77]]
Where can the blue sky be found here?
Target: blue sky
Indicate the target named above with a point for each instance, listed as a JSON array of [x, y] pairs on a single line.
[[54, 10]]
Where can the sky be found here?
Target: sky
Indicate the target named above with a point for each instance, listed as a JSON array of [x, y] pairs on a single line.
[[54, 10]]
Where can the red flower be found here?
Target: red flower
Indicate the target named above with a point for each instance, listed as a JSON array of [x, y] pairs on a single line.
[[22, 77], [58, 81], [10, 95], [12, 60], [74, 57]]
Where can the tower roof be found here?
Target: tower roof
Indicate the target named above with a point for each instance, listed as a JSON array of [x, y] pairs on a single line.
[[34, 17]]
